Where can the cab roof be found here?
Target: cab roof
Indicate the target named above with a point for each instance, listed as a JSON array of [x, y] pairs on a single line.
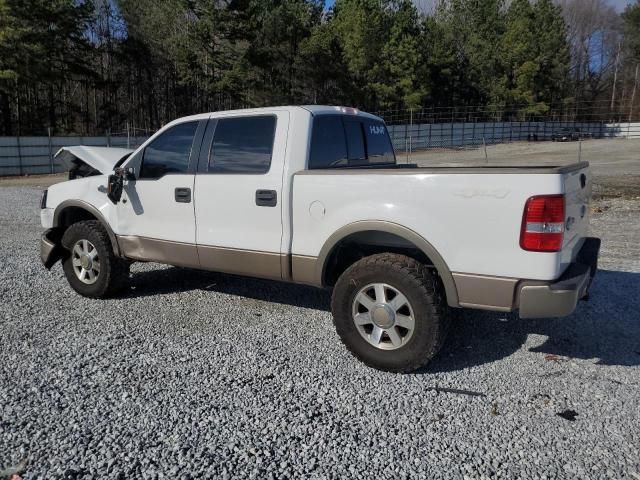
[[313, 109]]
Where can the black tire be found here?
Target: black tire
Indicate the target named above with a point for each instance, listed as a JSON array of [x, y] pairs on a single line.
[[425, 293], [114, 271]]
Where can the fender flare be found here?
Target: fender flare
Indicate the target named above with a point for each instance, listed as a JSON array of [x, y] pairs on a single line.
[[389, 227], [93, 211]]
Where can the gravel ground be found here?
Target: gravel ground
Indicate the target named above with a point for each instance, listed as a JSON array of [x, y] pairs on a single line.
[[194, 374]]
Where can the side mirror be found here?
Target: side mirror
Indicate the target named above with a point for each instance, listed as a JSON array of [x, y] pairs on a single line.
[[114, 188], [115, 182], [128, 173]]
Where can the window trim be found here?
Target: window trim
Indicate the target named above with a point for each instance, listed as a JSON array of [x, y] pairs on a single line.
[[206, 151], [193, 152]]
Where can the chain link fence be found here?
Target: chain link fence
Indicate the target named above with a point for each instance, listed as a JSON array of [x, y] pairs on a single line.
[[429, 135]]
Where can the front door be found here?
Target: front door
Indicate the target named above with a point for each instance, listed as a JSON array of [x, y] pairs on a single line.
[[238, 194], [156, 219]]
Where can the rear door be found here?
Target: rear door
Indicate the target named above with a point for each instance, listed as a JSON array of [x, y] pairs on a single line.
[[238, 194]]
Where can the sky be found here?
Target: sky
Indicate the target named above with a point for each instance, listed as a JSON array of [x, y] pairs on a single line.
[[619, 5]]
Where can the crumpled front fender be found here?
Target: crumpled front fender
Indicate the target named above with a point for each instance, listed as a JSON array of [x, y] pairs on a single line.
[[51, 249]]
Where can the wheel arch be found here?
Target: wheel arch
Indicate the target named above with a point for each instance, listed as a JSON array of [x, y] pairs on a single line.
[[71, 211], [342, 235]]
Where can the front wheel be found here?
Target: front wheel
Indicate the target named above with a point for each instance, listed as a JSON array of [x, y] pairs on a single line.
[[390, 312], [91, 267]]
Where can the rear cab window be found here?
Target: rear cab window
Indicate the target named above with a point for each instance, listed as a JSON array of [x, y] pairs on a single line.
[[349, 141]]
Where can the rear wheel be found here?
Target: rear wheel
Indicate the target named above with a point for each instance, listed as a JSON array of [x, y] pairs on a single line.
[[390, 312], [91, 267]]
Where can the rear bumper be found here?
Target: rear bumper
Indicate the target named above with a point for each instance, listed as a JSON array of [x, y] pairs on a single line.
[[534, 298], [559, 298]]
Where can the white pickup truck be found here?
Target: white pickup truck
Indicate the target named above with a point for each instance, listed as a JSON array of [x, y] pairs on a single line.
[[314, 195]]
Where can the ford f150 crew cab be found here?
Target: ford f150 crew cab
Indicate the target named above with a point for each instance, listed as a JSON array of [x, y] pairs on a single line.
[[314, 195]]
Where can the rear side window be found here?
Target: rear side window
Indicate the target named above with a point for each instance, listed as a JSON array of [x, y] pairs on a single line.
[[344, 141], [243, 145], [170, 152]]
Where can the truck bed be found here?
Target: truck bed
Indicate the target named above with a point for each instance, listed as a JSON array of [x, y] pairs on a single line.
[[412, 169], [471, 215]]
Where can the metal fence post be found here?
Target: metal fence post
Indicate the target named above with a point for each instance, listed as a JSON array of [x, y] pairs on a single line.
[[473, 134], [50, 149], [486, 157], [464, 122], [406, 137], [410, 133], [451, 142], [579, 149], [19, 156]]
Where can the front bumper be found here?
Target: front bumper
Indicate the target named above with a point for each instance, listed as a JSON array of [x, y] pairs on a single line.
[[50, 248], [559, 298]]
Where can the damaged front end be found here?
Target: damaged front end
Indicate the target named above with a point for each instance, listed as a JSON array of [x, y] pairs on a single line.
[[50, 247], [84, 161]]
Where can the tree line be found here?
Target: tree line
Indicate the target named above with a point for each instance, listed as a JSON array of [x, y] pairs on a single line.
[[93, 66]]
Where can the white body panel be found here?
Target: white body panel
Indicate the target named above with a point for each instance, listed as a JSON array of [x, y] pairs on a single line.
[[472, 220], [472, 217], [91, 190], [225, 204], [149, 209]]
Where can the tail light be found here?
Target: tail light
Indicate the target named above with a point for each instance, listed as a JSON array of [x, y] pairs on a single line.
[[543, 224]]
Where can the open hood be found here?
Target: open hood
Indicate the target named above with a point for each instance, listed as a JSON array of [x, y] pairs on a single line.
[[101, 159]]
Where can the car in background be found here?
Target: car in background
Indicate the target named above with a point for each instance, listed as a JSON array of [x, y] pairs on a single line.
[[570, 135]]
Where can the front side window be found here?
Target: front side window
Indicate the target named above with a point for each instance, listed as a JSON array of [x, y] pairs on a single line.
[[170, 152], [243, 145]]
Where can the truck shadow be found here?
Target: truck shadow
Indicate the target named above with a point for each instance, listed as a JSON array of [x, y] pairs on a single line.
[[176, 280], [605, 329]]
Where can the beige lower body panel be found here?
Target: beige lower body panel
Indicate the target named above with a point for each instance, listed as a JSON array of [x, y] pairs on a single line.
[[220, 259], [241, 262], [485, 292], [162, 251], [303, 269]]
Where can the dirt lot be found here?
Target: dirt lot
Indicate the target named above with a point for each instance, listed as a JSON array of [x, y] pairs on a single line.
[[612, 157], [42, 181]]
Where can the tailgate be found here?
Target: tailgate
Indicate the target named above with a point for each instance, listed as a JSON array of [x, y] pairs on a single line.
[[577, 188]]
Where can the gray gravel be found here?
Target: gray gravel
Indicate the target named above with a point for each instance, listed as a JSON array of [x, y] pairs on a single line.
[[194, 374]]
